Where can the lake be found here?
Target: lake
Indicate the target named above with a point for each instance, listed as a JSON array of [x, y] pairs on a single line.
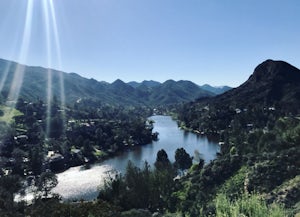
[[80, 183]]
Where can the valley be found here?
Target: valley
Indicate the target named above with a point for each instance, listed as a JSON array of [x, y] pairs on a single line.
[[254, 159]]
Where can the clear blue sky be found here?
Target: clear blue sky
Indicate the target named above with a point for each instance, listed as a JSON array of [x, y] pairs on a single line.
[[205, 41]]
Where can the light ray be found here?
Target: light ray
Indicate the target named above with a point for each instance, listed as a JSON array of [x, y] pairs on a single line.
[[49, 62], [4, 76], [58, 49], [52, 30], [19, 72]]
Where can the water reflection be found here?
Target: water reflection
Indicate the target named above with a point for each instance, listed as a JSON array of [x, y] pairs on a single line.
[[185, 135], [75, 183]]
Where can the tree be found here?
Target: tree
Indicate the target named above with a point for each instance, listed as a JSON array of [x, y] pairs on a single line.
[[36, 159], [162, 160], [18, 165], [182, 159], [163, 179], [137, 183], [9, 185], [46, 182]]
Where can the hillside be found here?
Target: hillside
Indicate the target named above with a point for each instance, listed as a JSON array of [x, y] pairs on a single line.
[[273, 83], [258, 127], [78, 88], [256, 172], [175, 92]]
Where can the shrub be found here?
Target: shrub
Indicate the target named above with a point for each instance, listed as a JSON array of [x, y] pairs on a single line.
[[247, 205]]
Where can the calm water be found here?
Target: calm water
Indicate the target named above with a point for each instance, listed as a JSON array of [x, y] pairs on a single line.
[[77, 183]]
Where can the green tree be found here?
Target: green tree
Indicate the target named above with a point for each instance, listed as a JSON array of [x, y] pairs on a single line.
[[46, 182], [18, 166], [162, 160], [163, 179], [182, 159], [36, 160], [9, 185], [137, 183]]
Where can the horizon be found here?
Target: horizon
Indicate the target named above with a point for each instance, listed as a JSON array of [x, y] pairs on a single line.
[[204, 42]]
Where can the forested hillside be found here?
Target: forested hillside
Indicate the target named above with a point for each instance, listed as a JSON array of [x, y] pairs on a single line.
[[256, 173], [258, 125], [73, 88]]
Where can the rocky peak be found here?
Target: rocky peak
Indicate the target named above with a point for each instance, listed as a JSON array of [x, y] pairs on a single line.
[[275, 70]]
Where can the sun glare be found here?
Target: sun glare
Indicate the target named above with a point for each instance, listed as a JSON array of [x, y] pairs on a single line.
[[4, 76], [57, 49], [53, 54], [52, 41], [19, 72], [49, 62]]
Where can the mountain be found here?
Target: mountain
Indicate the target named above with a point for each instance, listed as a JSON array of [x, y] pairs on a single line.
[[215, 90], [257, 125], [35, 83], [170, 91], [134, 84], [273, 86], [35, 86], [273, 83], [151, 83], [180, 91], [146, 83]]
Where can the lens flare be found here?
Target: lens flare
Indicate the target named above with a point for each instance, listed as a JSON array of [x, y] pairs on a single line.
[[49, 62], [58, 49], [4, 76], [15, 88], [52, 32]]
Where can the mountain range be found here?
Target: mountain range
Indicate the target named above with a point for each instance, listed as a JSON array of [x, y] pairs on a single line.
[[35, 83]]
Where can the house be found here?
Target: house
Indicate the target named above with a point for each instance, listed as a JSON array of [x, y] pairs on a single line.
[[238, 111], [21, 138]]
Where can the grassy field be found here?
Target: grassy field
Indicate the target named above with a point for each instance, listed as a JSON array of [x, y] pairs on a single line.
[[8, 113]]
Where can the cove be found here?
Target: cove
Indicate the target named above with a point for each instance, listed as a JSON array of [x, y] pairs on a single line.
[[79, 183]]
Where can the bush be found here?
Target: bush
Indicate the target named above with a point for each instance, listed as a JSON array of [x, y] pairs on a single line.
[[247, 205]]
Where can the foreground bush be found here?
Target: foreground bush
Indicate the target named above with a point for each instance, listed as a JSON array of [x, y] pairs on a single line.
[[247, 205]]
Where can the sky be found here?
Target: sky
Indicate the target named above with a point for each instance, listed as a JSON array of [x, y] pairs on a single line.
[[204, 41]]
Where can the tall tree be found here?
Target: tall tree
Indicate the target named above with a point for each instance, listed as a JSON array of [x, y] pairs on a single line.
[[182, 159], [47, 181], [163, 179], [162, 160]]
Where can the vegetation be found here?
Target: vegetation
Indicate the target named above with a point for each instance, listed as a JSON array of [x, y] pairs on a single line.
[[256, 172], [79, 134], [35, 143], [54, 208], [246, 205], [259, 152], [183, 160], [82, 89], [7, 114], [259, 140], [153, 188]]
